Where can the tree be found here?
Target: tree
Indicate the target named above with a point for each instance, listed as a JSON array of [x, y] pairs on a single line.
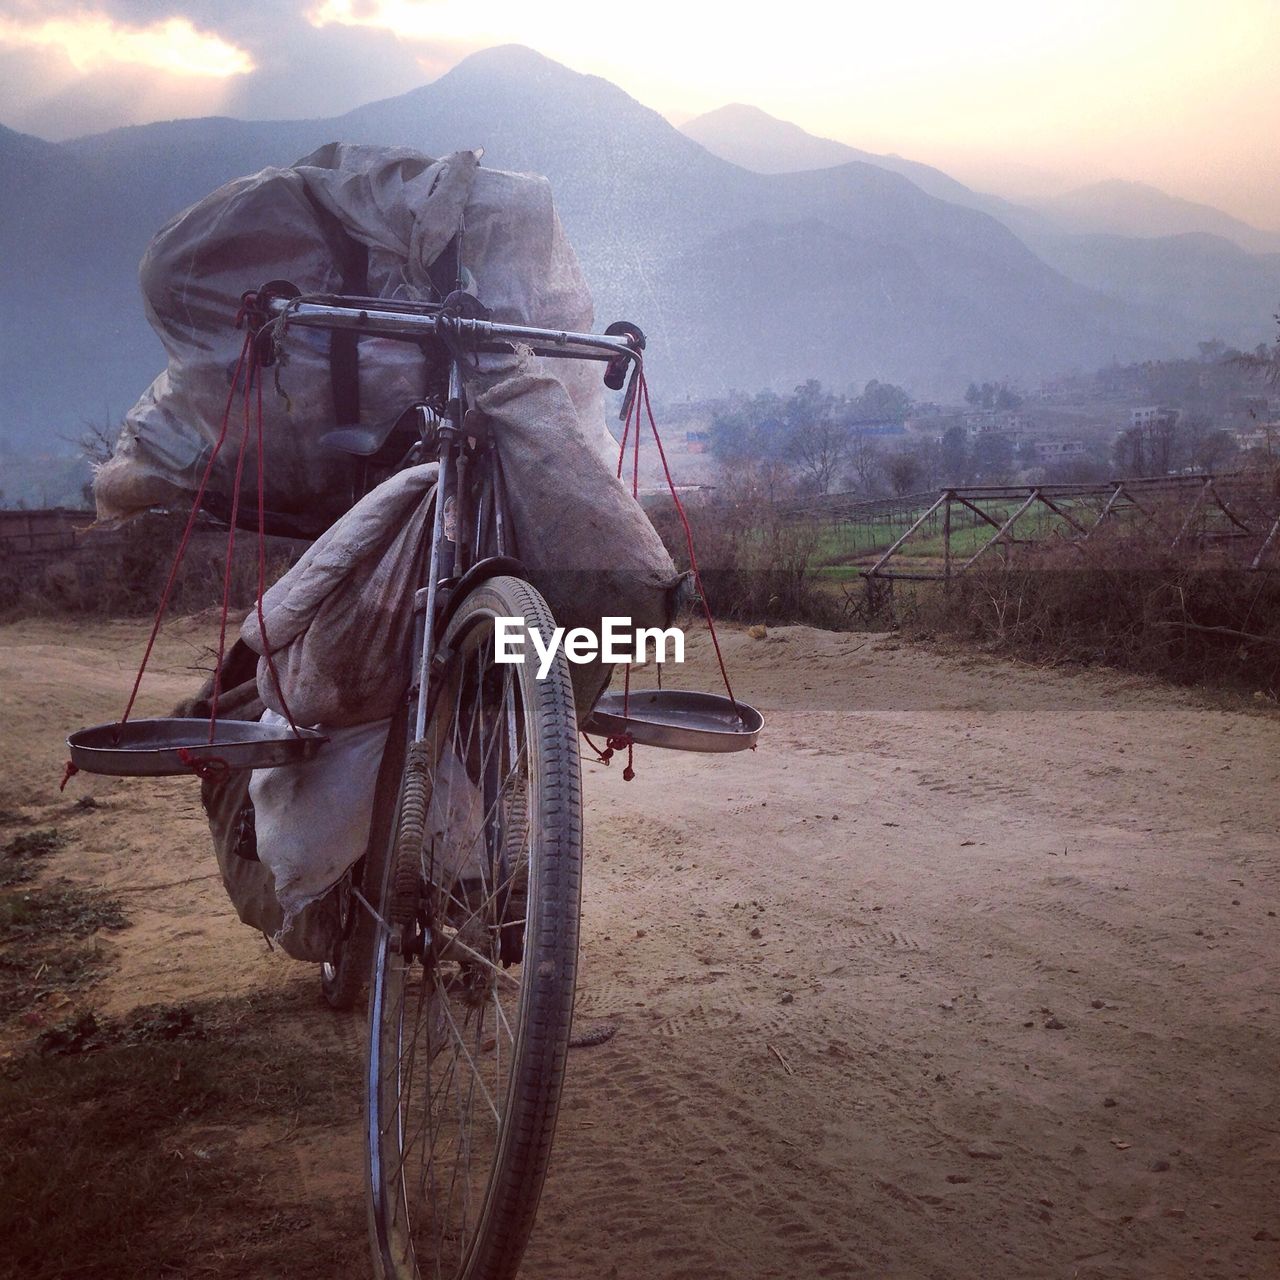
[[993, 458], [882, 402], [1210, 448], [955, 460], [865, 461], [1130, 452], [1264, 361], [905, 472], [819, 449], [817, 437]]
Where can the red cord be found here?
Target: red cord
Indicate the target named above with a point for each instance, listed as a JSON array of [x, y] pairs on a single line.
[[639, 399], [248, 366], [622, 448], [625, 739], [643, 391], [231, 547], [262, 572], [214, 769], [186, 533]]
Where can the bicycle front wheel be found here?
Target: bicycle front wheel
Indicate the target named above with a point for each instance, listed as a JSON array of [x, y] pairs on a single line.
[[473, 975]]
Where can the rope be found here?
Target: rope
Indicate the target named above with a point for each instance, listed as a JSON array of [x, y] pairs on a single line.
[[248, 366], [186, 534], [641, 404], [612, 745], [231, 544], [214, 769], [643, 394], [262, 575]]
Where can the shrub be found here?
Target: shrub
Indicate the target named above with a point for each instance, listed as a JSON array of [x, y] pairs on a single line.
[[756, 564], [1128, 601]]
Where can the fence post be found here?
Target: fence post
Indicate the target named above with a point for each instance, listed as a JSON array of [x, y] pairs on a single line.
[[946, 542]]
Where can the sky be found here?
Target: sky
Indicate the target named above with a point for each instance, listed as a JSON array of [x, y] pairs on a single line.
[[1021, 97]]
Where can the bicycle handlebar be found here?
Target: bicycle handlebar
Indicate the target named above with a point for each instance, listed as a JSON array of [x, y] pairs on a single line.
[[378, 317]]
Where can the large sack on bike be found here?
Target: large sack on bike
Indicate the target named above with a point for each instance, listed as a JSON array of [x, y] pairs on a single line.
[[369, 220], [250, 884], [340, 621], [313, 819], [585, 541]]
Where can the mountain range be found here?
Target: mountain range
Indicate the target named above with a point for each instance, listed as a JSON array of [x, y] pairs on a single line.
[[746, 268], [1188, 269]]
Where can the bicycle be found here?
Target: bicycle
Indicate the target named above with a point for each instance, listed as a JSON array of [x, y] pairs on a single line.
[[465, 907]]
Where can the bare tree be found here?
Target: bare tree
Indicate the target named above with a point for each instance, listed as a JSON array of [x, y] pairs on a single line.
[[866, 462], [819, 449], [905, 472]]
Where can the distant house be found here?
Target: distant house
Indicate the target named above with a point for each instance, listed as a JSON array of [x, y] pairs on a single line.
[[1053, 450], [1265, 436], [1251, 406], [697, 441], [995, 422], [1152, 415]]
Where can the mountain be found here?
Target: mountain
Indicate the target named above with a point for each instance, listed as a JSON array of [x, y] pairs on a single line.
[[755, 140], [1136, 209], [72, 337], [1193, 283], [1188, 270], [740, 278]]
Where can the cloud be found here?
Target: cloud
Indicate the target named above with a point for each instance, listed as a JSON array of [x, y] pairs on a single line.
[[67, 70], [91, 40]]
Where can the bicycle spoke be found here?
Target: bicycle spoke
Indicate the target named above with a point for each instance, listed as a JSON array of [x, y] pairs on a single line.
[[455, 1057]]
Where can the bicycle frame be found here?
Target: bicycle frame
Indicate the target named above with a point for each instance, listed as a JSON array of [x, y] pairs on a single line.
[[469, 541]]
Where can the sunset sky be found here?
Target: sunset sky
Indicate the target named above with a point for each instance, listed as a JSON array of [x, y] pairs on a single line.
[[1009, 95]]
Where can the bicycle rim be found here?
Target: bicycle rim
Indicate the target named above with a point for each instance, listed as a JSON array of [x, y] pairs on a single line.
[[473, 974]]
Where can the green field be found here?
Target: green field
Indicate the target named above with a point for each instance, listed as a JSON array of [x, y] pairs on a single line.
[[845, 547]]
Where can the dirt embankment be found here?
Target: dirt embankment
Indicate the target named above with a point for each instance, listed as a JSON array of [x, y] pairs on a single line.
[[971, 969]]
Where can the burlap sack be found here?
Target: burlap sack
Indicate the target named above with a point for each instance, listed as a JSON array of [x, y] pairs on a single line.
[[340, 620]]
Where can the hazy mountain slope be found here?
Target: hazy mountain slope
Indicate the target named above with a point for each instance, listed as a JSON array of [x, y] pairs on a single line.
[[1136, 209], [636, 197], [755, 140], [1195, 286], [1183, 266], [71, 344], [842, 274]]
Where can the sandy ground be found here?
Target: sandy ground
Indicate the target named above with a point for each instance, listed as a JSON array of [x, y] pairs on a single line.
[[970, 970]]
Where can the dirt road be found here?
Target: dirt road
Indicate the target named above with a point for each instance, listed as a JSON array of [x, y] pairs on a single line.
[[971, 970]]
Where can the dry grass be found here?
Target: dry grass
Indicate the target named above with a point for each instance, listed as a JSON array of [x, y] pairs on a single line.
[[756, 565], [47, 942], [124, 573], [120, 1157], [1127, 601]]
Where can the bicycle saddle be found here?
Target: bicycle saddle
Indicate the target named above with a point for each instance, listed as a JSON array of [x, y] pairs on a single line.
[[364, 442]]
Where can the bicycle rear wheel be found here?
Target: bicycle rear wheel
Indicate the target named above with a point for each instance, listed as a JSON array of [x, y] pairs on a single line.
[[473, 975], [344, 975]]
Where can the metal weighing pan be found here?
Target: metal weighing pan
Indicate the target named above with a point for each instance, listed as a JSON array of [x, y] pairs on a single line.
[[678, 719], [155, 748]]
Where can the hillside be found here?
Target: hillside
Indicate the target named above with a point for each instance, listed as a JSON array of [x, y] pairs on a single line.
[[1188, 270], [701, 252], [1123, 208]]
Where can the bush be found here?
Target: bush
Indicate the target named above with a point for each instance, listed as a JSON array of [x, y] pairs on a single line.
[[1128, 601], [756, 564], [123, 572]]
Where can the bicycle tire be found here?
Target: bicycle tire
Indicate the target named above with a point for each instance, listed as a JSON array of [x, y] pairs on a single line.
[[498, 733], [344, 977]]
